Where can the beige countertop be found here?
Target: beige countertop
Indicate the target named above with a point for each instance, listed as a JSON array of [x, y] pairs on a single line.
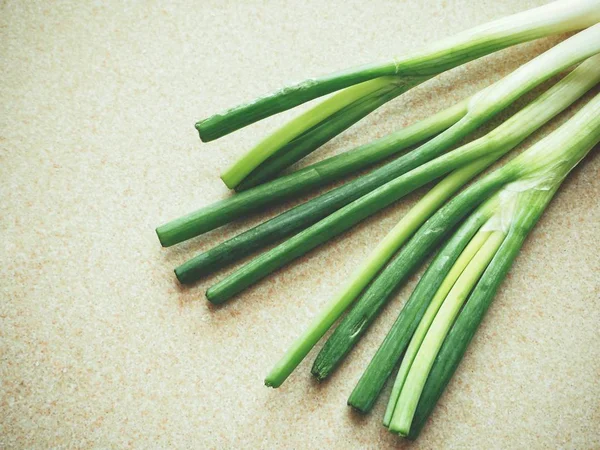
[[99, 345]]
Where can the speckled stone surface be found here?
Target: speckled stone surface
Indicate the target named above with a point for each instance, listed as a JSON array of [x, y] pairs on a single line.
[[99, 345]]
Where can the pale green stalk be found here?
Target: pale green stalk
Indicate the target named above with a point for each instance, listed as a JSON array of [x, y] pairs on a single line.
[[269, 145], [411, 391], [562, 56]]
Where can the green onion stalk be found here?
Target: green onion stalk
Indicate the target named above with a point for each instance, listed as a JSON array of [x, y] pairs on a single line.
[[384, 185], [496, 143], [461, 282], [374, 80]]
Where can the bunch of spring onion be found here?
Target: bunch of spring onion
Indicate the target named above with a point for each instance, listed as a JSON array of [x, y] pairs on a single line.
[[451, 298], [326, 120], [496, 212], [341, 208], [481, 153]]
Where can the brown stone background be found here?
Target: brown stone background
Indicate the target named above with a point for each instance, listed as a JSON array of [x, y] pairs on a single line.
[[99, 345]]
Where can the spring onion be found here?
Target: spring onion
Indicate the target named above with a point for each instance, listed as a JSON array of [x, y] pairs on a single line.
[[484, 226]]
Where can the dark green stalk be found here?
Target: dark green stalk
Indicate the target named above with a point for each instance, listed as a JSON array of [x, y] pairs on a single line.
[[317, 136], [289, 97], [463, 330], [382, 365]]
